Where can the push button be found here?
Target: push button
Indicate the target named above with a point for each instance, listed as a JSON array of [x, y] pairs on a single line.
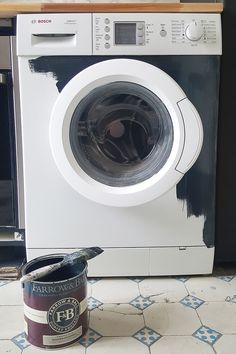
[[140, 26], [163, 33], [140, 33], [140, 40], [107, 29]]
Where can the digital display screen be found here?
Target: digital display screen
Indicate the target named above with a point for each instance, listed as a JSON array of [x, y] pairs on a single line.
[[125, 32]]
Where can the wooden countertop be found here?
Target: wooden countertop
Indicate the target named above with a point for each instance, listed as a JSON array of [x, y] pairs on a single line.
[[12, 9]]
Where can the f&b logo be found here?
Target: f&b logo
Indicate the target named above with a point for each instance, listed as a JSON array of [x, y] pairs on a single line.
[[63, 315]]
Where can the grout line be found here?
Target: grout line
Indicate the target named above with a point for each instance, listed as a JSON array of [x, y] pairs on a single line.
[[199, 317], [139, 289], [214, 349], [9, 339], [142, 309], [186, 288]]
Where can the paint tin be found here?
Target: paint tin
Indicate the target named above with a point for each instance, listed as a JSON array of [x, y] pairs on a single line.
[[55, 308]]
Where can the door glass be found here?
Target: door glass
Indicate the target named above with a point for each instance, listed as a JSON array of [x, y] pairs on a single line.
[[121, 134]]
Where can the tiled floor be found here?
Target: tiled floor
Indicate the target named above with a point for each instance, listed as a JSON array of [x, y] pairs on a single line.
[[173, 315]]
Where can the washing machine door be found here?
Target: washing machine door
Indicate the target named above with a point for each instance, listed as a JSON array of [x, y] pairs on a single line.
[[122, 132]]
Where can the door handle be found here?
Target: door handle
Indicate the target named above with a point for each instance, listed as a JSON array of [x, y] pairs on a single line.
[[3, 79]]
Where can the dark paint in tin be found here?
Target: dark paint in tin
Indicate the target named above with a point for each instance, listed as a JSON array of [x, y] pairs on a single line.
[[55, 310]]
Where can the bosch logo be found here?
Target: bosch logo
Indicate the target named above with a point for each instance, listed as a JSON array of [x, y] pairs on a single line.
[[44, 21]]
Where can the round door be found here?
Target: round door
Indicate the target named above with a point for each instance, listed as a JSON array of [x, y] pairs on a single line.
[[122, 132]]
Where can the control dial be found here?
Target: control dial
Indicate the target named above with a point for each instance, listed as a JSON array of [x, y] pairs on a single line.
[[194, 31]]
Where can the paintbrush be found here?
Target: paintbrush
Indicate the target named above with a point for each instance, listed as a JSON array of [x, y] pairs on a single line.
[[71, 258]]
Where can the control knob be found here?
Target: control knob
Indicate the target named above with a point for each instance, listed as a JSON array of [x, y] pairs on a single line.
[[194, 31]]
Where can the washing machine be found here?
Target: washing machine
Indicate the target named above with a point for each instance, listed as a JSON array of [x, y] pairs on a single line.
[[119, 126]]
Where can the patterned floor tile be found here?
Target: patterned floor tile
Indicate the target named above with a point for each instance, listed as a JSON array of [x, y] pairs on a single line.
[[182, 279], [171, 319], [137, 280], [211, 288], [90, 337], [219, 315], [165, 319], [163, 289], [147, 336], [20, 340], [4, 282], [233, 299], [93, 303], [116, 320], [117, 345], [181, 345], [227, 278], [225, 344], [93, 280], [75, 348], [207, 335], [110, 290], [11, 294], [141, 302], [11, 321], [8, 347], [192, 301]]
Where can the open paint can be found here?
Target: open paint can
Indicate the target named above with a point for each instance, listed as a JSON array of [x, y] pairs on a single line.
[[55, 308]]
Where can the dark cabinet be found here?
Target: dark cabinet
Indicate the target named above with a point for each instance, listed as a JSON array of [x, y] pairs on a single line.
[[9, 213], [8, 193], [226, 161]]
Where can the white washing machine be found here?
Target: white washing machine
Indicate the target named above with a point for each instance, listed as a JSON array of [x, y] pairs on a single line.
[[114, 108]]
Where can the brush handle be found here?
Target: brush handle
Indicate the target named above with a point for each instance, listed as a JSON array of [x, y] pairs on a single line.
[[39, 273]]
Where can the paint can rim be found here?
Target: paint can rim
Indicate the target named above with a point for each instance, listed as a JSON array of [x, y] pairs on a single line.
[[49, 256]]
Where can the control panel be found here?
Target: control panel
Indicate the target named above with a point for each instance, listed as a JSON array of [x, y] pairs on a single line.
[[119, 34], [156, 34]]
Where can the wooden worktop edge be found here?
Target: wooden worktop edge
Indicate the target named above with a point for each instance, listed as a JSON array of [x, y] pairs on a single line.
[[12, 9], [131, 7]]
